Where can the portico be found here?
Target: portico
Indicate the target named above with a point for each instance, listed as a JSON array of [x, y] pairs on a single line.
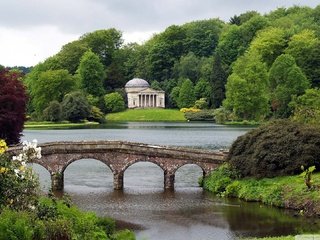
[[140, 95]]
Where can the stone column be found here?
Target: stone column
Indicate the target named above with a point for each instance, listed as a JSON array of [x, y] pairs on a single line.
[[118, 181], [155, 100], [169, 180], [57, 181], [139, 104]]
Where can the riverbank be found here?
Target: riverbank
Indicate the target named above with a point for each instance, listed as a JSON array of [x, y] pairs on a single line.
[[147, 115], [55, 125], [285, 192]]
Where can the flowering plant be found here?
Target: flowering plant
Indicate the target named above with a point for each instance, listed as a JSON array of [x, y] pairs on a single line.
[[18, 184]]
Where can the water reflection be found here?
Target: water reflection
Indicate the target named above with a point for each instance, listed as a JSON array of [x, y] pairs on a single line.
[[186, 213]]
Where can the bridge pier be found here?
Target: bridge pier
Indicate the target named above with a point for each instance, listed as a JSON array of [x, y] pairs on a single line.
[[57, 181], [118, 181], [169, 180]]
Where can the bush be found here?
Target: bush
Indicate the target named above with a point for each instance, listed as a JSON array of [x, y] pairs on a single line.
[[18, 185], [203, 115], [219, 179], [114, 102], [276, 149], [75, 107], [53, 112]]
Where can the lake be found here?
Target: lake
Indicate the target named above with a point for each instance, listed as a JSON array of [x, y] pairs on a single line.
[[189, 212]]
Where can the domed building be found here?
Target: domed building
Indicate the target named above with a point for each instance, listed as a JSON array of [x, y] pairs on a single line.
[[140, 95]]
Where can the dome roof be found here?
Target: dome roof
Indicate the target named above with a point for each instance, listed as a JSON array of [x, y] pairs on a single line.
[[137, 83]]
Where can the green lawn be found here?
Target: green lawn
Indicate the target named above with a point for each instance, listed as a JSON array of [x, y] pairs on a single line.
[[146, 115]]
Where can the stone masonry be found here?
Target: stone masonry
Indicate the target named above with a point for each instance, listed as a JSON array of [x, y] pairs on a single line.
[[119, 155]]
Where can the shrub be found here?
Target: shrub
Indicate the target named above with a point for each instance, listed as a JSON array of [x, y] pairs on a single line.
[[203, 115], [219, 179], [96, 115], [275, 149], [114, 102], [12, 106], [53, 112], [18, 185], [75, 107]]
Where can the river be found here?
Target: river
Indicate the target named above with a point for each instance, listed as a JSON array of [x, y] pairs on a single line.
[[187, 213]]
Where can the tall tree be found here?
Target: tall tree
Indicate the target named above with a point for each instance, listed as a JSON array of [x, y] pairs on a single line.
[[51, 85], [186, 94], [91, 73], [247, 88], [187, 67], [286, 80], [218, 81], [103, 43], [13, 102]]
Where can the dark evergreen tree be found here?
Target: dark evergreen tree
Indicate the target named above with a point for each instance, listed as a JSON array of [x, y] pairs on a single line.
[[218, 82]]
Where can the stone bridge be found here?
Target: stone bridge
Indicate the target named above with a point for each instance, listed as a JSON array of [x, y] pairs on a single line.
[[119, 155]]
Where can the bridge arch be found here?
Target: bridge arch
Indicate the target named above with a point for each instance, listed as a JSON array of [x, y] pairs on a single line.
[[84, 156], [187, 175]]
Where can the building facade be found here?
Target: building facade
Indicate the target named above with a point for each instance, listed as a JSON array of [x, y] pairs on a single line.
[[140, 95]]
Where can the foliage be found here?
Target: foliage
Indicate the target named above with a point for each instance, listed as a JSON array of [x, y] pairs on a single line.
[[202, 115], [96, 115], [75, 107], [201, 103], [247, 89], [13, 102], [53, 112], [186, 94], [276, 149], [307, 175], [218, 81], [114, 102], [222, 115], [187, 67], [91, 73], [285, 191], [202, 89], [286, 80], [306, 108], [219, 179], [18, 185], [51, 85], [151, 114]]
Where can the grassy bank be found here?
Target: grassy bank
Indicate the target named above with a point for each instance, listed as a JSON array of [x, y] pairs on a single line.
[[287, 192], [53, 125], [146, 115]]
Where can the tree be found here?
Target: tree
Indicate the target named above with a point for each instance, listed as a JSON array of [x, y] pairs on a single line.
[[114, 102], [53, 112], [174, 96], [13, 102], [247, 93], [218, 81], [202, 89], [187, 67], [304, 47], [51, 85], [103, 43], [306, 108], [269, 43], [91, 73], [286, 80], [186, 94], [75, 107]]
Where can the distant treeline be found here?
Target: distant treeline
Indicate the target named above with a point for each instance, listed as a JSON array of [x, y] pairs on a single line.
[[254, 67]]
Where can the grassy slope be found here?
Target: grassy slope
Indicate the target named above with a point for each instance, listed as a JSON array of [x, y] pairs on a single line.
[[152, 114], [289, 191]]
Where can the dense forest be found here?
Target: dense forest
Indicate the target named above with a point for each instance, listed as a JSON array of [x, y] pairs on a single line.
[[254, 67]]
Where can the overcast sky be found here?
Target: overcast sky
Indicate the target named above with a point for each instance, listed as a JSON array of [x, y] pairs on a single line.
[[32, 30]]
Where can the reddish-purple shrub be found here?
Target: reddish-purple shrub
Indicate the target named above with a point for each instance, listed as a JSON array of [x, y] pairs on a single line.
[[13, 101]]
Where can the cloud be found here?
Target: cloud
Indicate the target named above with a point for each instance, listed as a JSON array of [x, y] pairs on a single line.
[[42, 26]]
